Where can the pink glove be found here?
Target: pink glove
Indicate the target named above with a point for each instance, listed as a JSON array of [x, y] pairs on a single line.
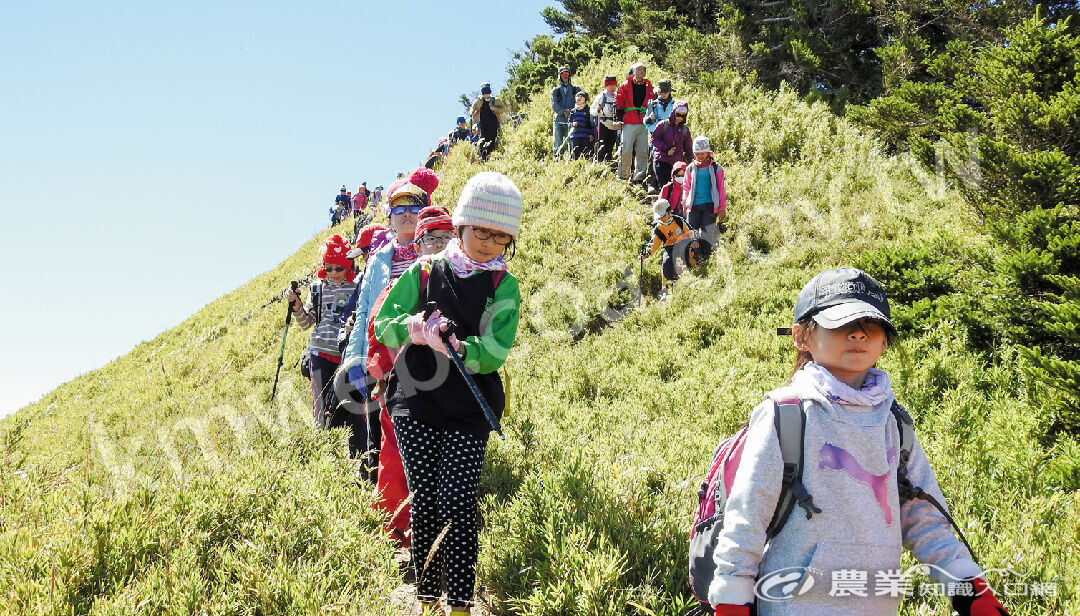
[[433, 330], [415, 323]]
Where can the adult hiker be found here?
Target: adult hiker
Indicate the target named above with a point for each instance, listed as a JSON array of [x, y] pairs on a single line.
[[603, 107], [562, 106], [460, 133], [434, 230], [325, 309], [671, 142], [865, 491], [489, 113], [659, 108], [582, 129], [704, 195], [384, 267], [342, 199], [630, 102], [672, 233], [442, 431]]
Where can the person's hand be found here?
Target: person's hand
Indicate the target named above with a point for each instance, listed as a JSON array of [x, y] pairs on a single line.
[[379, 389], [574, 124], [294, 300], [642, 255], [721, 215], [725, 609], [979, 600], [349, 324], [566, 113], [618, 126], [415, 325], [434, 329]]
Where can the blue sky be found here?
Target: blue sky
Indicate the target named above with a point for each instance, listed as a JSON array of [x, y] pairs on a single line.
[[157, 155]]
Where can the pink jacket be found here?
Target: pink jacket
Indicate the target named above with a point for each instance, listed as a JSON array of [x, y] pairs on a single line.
[[719, 194]]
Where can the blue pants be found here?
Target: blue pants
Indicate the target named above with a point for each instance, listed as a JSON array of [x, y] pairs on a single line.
[[559, 131]]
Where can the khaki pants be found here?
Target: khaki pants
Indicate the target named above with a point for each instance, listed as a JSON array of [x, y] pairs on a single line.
[[635, 143]]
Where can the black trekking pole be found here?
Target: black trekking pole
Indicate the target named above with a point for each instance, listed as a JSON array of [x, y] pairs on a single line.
[[484, 406], [281, 355]]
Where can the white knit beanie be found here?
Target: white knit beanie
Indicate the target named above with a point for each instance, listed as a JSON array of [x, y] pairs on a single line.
[[701, 144], [489, 200]]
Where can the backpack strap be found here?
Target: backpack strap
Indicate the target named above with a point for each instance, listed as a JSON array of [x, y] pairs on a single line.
[[790, 423], [906, 490]]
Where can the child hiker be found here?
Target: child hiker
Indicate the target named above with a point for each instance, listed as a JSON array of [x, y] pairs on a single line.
[[671, 232], [855, 521], [434, 230], [325, 309], [672, 192], [582, 129], [704, 196], [383, 268], [440, 427]]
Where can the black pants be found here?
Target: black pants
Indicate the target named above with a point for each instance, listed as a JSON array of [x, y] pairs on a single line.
[[662, 171], [442, 470], [701, 216], [489, 140], [580, 147], [322, 372], [606, 144], [667, 264]]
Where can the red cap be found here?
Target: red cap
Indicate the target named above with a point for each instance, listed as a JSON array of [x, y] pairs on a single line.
[[439, 222], [335, 252]]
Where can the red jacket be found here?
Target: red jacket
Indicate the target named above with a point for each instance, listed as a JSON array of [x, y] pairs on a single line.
[[624, 100]]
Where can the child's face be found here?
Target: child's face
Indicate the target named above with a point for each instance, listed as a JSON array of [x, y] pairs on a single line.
[[579, 102], [404, 226], [848, 351], [701, 157], [484, 250], [433, 242], [611, 87], [335, 273]]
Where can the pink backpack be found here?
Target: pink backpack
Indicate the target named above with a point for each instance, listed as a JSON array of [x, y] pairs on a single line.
[[790, 423]]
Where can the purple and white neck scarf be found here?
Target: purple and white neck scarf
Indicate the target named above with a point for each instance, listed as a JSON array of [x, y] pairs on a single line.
[[875, 390], [464, 266]]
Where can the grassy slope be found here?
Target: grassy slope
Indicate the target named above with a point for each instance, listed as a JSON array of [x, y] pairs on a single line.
[[164, 484]]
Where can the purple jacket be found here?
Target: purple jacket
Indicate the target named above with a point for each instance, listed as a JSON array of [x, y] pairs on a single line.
[[666, 136]]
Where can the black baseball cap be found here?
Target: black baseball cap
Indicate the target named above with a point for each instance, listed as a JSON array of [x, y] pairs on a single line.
[[837, 297]]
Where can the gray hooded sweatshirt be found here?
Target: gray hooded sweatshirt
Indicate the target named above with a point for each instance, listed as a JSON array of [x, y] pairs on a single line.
[[850, 460]]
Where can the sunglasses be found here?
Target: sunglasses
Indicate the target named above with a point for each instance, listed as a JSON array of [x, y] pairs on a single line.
[[501, 239], [333, 268], [680, 115], [398, 210]]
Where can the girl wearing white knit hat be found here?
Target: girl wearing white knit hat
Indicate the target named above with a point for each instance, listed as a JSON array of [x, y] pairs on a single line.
[[442, 432]]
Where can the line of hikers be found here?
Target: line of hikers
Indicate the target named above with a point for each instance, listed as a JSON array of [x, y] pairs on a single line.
[[414, 319], [648, 125]]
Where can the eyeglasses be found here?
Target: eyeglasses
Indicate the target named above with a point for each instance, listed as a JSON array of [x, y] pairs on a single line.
[[398, 210], [432, 240], [334, 268], [483, 235]]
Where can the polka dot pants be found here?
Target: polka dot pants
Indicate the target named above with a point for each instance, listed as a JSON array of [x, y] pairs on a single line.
[[442, 469]]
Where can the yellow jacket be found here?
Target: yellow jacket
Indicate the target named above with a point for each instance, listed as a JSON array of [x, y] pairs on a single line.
[[669, 231]]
